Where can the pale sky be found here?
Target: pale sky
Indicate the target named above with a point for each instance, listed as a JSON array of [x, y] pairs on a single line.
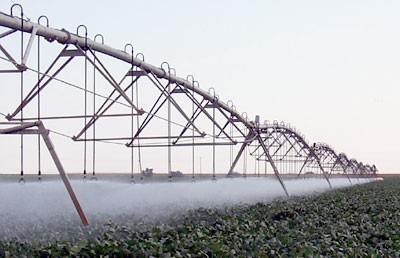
[[330, 68]]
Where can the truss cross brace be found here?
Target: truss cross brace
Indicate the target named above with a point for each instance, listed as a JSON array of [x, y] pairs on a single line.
[[24, 128]]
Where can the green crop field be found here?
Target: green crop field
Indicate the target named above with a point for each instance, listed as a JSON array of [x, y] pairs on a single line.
[[361, 221]]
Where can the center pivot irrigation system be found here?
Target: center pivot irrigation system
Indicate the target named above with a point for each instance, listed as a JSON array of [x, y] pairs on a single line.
[[144, 94]]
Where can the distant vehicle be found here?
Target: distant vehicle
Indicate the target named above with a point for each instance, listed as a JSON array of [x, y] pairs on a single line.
[[176, 174], [148, 172]]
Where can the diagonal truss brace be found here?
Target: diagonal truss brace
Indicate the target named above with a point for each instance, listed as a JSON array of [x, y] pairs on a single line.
[[22, 66], [254, 136], [26, 128]]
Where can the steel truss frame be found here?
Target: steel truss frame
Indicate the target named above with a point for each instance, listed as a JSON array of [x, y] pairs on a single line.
[[279, 146]]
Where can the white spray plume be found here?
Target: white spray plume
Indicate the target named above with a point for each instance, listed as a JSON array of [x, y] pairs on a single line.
[[30, 203]]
